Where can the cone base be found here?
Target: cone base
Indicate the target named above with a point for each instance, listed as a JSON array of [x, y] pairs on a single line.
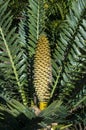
[[43, 105]]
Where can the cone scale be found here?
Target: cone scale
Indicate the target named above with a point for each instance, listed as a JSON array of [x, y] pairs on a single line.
[[42, 71]]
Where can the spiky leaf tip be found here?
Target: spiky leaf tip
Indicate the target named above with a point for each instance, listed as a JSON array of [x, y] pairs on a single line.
[[42, 69]]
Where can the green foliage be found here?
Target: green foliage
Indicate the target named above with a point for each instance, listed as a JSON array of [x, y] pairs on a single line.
[[22, 117], [56, 14], [30, 28], [12, 60], [68, 49], [35, 23], [17, 7], [69, 56]]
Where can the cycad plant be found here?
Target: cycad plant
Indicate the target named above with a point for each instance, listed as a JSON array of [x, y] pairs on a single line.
[[42, 69]]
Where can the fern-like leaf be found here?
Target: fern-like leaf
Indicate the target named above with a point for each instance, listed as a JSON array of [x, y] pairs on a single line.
[[11, 55], [69, 56], [35, 24], [13, 114]]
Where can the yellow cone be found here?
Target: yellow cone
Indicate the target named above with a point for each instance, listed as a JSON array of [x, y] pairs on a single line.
[[42, 70]]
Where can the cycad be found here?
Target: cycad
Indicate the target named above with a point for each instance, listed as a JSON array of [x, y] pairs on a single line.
[[19, 81]]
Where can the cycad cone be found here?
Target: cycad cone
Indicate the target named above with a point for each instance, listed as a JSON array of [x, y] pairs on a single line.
[[42, 71]]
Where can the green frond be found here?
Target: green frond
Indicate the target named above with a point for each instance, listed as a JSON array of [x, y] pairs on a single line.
[[11, 59], [23, 44], [13, 114], [55, 112], [57, 8], [35, 23], [56, 12], [70, 52], [33, 26]]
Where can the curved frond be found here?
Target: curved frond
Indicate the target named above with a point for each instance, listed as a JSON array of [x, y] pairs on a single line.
[[11, 55], [55, 112], [35, 23], [69, 56], [33, 26], [13, 114]]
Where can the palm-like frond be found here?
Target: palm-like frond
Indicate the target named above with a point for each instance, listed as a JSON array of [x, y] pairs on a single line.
[[69, 57], [33, 26], [35, 23], [11, 55], [55, 112], [20, 115], [16, 113], [56, 12]]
